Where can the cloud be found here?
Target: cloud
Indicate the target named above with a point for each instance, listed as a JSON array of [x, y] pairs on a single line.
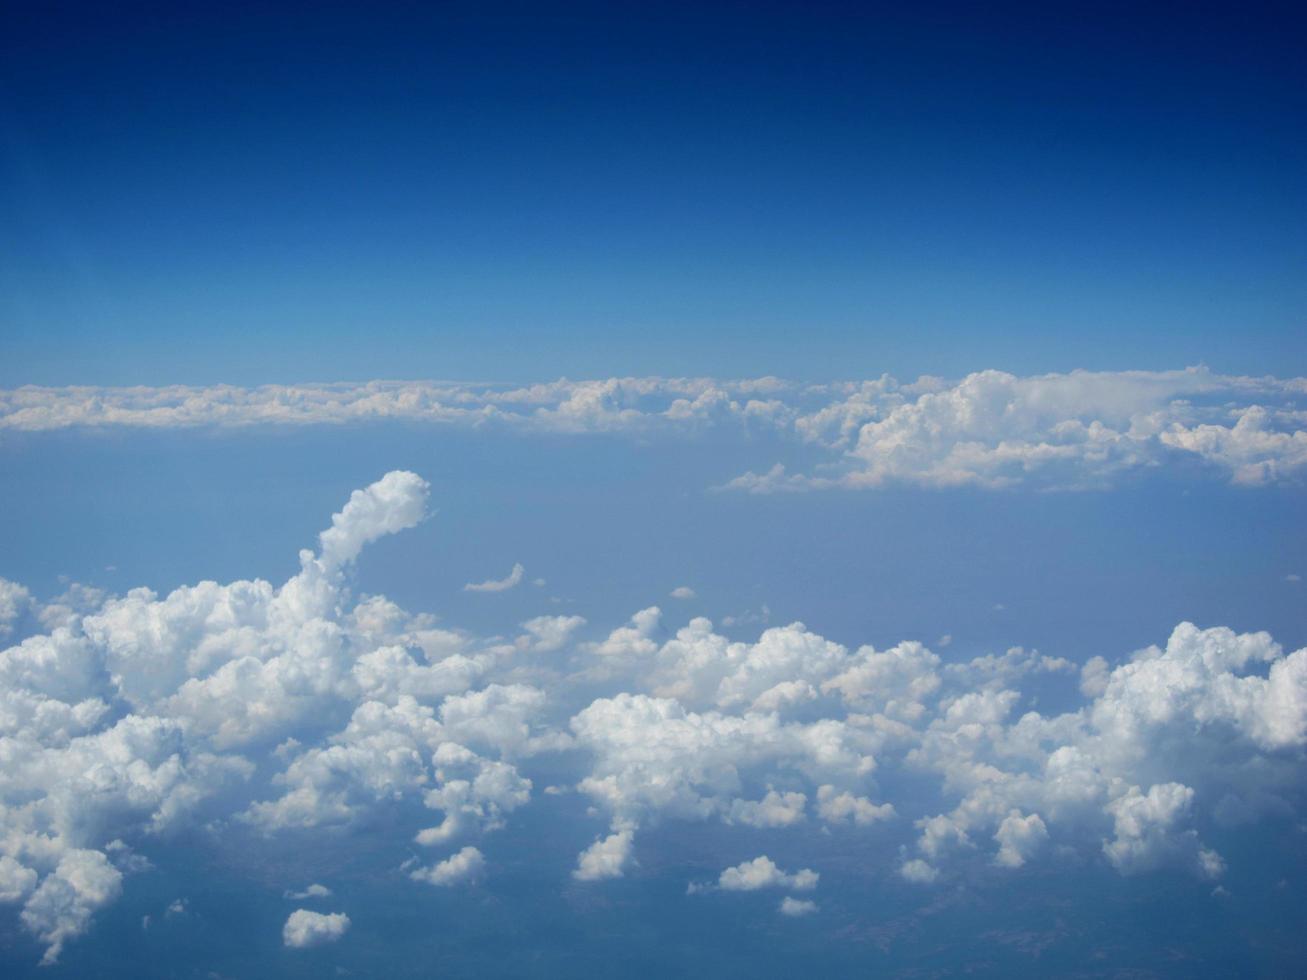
[[773, 810], [281, 708], [682, 592], [918, 872], [990, 429], [395, 502], [1019, 838], [796, 907], [304, 929], [312, 891], [14, 601], [548, 633], [607, 857], [300, 708], [762, 872], [498, 585], [467, 865], [836, 807], [61, 907]]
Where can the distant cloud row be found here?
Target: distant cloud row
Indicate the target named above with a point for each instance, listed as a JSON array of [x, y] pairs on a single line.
[[991, 429], [301, 707]]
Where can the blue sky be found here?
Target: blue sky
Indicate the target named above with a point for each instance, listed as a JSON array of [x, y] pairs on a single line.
[[202, 195], [742, 490]]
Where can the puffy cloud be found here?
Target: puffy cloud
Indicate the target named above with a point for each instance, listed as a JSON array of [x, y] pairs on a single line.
[[499, 585], [652, 756], [918, 872], [14, 601], [395, 502], [1147, 835], [773, 810], [285, 708], [16, 881], [682, 592], [633, 640], [836, 807], [548, 633], [607, 857], [1019, 838], [467, 865], [995, 430], [296, 707], [305, 928], [62, 906], [762, 872]]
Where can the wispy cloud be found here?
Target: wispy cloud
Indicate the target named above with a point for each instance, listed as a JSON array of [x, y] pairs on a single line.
[[513, 579]]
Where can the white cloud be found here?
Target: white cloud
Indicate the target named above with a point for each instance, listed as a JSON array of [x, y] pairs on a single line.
[[304, 928], [286, 709], [773, 810], [1019, 838], [548, 633], [312, 891], [762, 872], [62, 906], [633, 640], [796, 907], [498, 585], [16, 881], [918, 872], [467, 865], [990, 429], [607, 857], [395, 502], [1148, 835], [837, 807], [14, 601], [682, 592]]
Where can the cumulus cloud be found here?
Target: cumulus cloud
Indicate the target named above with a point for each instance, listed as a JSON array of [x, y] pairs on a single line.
[[395, 502], [61, 907], [14, 601], [288, 709], [465, 866], [607, 857], [138, 713], [682, 592], [990, 429], [305, 928], [1019, 838], [762, 872], [918, 871], [513, 579], [547, 633]]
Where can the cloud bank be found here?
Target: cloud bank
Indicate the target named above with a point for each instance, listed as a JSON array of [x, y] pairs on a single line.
[[991, 429], [297, 709]]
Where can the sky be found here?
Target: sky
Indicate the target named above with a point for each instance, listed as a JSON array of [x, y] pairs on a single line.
[[645, 490], [269, 193]]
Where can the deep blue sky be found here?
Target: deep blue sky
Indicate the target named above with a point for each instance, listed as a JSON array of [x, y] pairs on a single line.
[[522, 191]]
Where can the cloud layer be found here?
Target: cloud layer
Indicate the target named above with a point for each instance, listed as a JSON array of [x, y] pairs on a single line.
[[990, 429], [249, 707]]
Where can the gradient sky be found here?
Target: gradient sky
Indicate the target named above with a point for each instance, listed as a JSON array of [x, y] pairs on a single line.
[[972, 642], [517, 191]]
